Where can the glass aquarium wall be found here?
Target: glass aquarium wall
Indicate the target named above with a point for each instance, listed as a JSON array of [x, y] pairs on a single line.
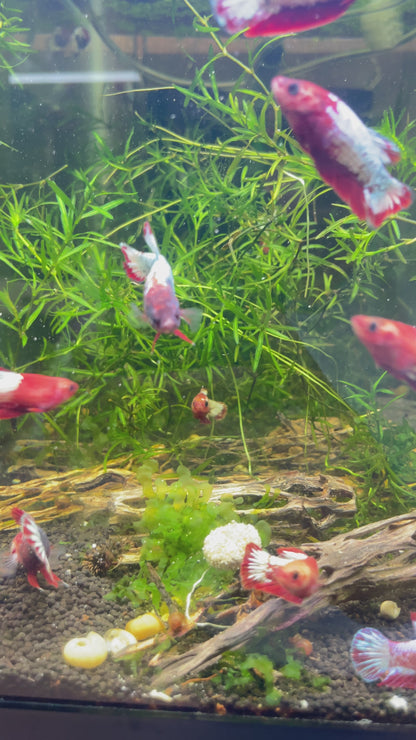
[[208, 356]]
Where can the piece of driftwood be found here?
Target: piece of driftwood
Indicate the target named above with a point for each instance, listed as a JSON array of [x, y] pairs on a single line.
[[296, 505], [307, 504], [364, 562]]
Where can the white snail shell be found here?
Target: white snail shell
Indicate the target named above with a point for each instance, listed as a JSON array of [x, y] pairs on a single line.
[[116, 640], [85, 652]]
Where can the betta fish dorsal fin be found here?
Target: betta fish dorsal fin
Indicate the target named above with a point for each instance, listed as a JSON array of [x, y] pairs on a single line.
[[291, 553], [389, 151]]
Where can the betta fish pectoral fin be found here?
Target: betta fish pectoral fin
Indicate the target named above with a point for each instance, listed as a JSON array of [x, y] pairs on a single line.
[[193, 317]]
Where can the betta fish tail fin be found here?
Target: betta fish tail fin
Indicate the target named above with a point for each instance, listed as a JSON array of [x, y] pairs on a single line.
[[254, 566], [384, 201], [370, 654], [137, 265], [17, 514], [150, 238]]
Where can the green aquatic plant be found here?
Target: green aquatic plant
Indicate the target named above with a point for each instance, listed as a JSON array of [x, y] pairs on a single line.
[[380, 454], [176, 519], [13, 50], [247, 674], [264, 676]]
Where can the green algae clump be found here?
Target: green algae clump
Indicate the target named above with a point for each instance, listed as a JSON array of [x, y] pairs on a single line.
[[177, 517]]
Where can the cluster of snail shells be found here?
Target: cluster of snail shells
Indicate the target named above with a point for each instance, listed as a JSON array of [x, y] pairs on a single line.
[[91, 650]]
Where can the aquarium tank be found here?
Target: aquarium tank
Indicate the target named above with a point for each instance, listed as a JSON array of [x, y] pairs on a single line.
[[208, 360]]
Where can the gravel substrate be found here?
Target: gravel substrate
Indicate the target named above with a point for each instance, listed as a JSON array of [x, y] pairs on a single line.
[[36, 624]]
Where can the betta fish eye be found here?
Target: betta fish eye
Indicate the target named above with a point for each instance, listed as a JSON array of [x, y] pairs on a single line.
[[372, 326], [295, 575], [206, 404], [293, 88], [156, 323]]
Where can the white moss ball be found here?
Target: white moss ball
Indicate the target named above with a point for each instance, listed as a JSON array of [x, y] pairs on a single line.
[[85, 652], [224, 547], [398, 703]]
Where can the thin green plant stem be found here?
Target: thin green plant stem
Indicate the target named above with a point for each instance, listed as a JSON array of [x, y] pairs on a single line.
[[240, 414]]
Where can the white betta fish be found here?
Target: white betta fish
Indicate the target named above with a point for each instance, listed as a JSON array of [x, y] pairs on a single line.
[[160, 304]]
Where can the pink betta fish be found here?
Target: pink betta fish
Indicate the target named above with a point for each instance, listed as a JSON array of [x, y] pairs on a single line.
[[350, 157], [274, 17], [161, 306], [376, 658], [293, 575], [205, 409], [30, 549], [23, 393], [392, 345]]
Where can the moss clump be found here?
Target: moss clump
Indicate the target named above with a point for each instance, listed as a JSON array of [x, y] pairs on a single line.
[[174, 524]]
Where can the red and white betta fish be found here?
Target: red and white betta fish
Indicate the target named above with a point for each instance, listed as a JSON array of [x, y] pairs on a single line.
[[274, 17], [292, 574], [23, 393], [161, 306], [391, 663], [392, 345], [30, 549], [350, 157], [205, 409]]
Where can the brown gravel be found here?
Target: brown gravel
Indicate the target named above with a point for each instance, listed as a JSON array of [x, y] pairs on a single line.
[[36, 624]]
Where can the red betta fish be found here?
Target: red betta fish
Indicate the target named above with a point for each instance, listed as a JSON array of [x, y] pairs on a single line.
[[292, 575], [392, 345], [30, 549], [21, 393], [350, 157], [205, 409], [274, 17], [376, 658], [161, 306]]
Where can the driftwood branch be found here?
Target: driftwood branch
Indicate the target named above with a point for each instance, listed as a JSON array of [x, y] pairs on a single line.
[[359, 562]]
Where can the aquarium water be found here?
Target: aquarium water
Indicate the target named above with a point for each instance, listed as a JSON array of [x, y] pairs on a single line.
[[208, 357]]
